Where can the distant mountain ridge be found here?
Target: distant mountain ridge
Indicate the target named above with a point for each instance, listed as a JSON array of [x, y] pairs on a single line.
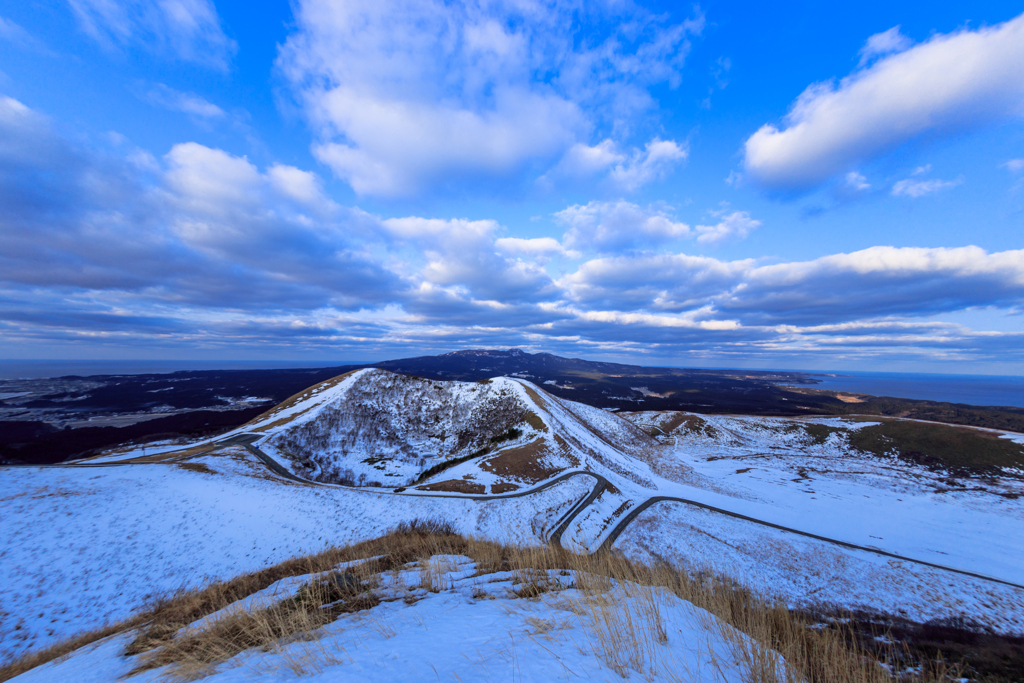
[[54, 419], [472, 362]]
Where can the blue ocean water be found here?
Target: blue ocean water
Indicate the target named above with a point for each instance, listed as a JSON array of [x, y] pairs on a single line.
[[38, 369], [981, 390]]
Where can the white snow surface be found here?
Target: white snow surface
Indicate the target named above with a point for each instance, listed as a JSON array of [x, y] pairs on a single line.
[[121, 535], [474, 627], [805, 572], [377, 424], [83, 547], [757, 467]]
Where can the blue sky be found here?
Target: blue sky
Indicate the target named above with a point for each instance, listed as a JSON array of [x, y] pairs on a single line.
[[722, 184]]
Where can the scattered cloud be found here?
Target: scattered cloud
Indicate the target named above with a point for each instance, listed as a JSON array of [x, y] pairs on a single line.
[[857, 182], [854, 185], [536, 247], [583, 161], [185, 102], [951, 84], [624, 171], [14, 33], [459, 256], [654, 162], [881, 281], [189, 30], [920, 188], [615, 226], [1014, 165], [406, 95], [201, 248], [884, 43], [863, 285], [735, 225], [719, 70], [611, 226]]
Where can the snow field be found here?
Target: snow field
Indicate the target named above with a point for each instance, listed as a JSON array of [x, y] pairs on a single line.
[[83, 547], [754, 467], [80, 547], [588, 530], [470, 626], [805, 572]]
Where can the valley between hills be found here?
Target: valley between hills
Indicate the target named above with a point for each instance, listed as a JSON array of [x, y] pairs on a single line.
[[883, 522]]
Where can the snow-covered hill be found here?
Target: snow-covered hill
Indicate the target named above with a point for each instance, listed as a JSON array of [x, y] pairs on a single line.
[[376, 428], [383, 427], [785, 506]]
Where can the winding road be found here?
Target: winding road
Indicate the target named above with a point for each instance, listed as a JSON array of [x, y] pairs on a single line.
[[246, 440]]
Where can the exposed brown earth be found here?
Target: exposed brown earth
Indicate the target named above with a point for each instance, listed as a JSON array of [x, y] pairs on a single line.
[[454, 486], [196, 467], [523, 463]]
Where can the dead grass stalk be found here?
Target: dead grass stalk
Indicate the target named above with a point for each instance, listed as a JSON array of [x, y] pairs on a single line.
[[622, 607]]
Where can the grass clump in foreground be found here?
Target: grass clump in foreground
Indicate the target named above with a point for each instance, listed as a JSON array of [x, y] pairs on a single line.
[[618, 602]]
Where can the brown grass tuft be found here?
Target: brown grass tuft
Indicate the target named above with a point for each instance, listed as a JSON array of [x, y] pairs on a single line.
[[196, 467], [628, 634], [524, 463], [454, 486], [65, 647]]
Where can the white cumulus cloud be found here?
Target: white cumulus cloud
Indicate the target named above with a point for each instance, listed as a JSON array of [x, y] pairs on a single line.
[[952, 83], [884, 43], [734, 225], [536, 247], [624, 170], [404, 95], [654, 162], [610, 226]]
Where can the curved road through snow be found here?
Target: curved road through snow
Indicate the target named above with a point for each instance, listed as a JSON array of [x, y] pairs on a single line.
[[246, 440]]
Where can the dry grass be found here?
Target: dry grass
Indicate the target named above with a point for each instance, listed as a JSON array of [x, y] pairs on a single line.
[[65, 647], [454, 486], [767, 642], [297, 398], [523, 463], [197, 467], [619, 603]]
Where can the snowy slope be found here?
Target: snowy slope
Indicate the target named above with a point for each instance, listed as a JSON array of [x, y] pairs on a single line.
[[82, 547], [475, 628], [804, 572], [772, 470], [382, 425], [762, 468], [373, 427], [123, 534]]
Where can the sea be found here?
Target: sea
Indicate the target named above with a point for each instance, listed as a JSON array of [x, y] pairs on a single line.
[[980, 390]]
